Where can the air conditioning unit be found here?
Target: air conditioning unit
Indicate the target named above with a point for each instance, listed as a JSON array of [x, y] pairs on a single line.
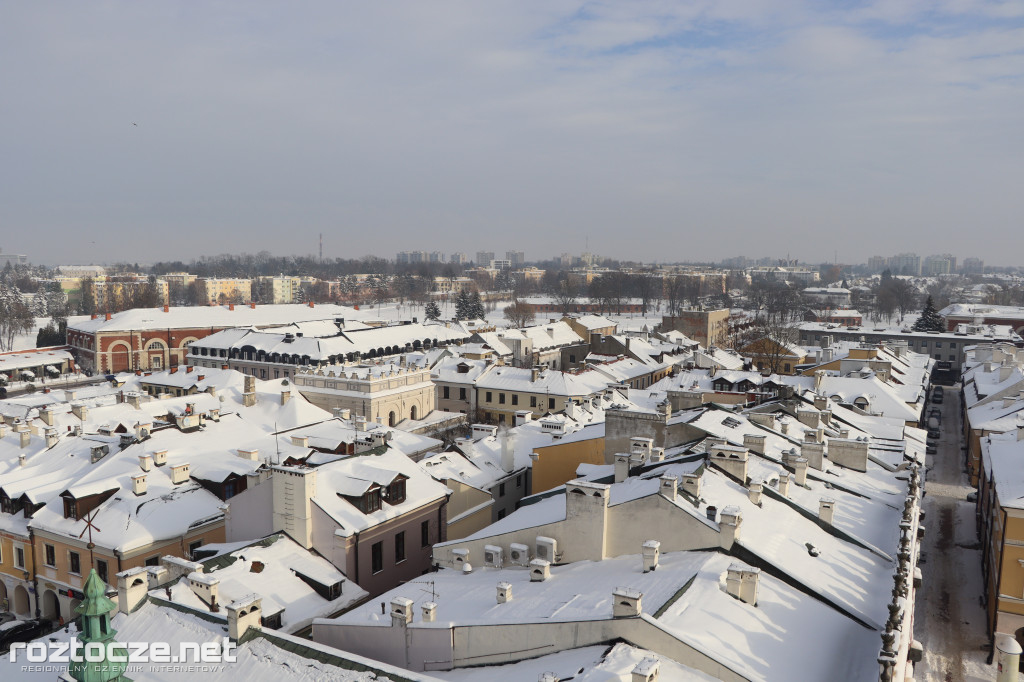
[[546, 548], [518, 554], [492, 556]]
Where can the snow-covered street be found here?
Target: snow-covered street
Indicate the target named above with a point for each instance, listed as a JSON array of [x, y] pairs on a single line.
[[950, 619]]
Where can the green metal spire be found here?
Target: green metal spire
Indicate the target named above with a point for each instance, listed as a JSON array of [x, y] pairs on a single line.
[[95, 627]]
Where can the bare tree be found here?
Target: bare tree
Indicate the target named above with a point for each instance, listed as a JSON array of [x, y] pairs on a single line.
[[520, 314]]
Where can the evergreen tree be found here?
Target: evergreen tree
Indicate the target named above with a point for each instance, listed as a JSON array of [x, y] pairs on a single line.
[[930, 319], [476, 307], [432, 311], [462, 306]]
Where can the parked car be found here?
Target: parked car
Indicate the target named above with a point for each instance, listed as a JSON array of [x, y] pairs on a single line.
[[933, 434], [930, 449], [936, 414], [937, 398], [23, 631]]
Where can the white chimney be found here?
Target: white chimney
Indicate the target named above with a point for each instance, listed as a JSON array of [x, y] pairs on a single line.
[[741, 582], [540, 570], [300, 441], [160, 458], [784, 484], [691, 485], [139, 486], [51, 437], [21, 459], [251, 454], [669, 486], [180, 473], [826, 509], [132, 586], [799, 471], [46, 414], [626, 602], [401, 611], [651, 551], [146, 462], [429, 611], [621, 467], [285, 397], [754, 491], [504, 592], [243, 614], [508, 460], [25, 438], [729, 526]]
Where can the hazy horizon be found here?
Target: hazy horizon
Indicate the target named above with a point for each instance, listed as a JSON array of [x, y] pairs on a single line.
[[660, 131]]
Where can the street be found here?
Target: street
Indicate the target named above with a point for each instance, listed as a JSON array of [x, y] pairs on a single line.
[[949, 618]]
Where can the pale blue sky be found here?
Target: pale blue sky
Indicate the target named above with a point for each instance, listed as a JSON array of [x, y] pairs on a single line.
[[663, 130]]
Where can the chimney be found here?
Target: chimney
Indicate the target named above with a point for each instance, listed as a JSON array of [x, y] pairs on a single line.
[[360, 423], [107, 317], [826, 509], [160, 457], [800, 471], [134, 399], [814, 453], [621, 467], [784, 426], [139, 486], [179, 473], [626, 602], [820, 402], [21, 459], [651, 551], [504, 592], [731, 460], [51, 437], [1005, 373], [231, 306], [251, 454], [669, 486], [784, 484], [80, 410], [534, 374], [252, 305], [523, 416], [146, 462], [300, 441], [754, 491], [167, 309], [243, 614], [46, 414], [293, 491], [508, 460], [132, 586], [540, 570], [93, 316], [657, 454], [646, 670], [691, 485], [189, 369], [429, 612], [26, 438], [754, 443], [285, 397], [729, 526], [401, 611], [741, 582]]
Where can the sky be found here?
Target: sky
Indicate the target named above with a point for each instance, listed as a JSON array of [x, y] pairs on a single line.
[[653, 131]]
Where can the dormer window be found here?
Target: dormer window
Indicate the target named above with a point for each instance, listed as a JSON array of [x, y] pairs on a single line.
[[396, 491], [70, 508], [370, 501]]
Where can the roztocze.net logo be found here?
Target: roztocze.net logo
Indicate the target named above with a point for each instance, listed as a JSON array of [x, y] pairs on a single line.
[[76, 651]]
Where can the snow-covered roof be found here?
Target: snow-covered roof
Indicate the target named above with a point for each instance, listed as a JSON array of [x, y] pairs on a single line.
[[216, 317]]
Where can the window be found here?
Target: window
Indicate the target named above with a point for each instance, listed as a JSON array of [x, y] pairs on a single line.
[[19, 557], [533, 401], [952, 357], [501, 514], [51, 555], [462, 394], [153, 560], [193, 547], [488, 397], [75, 563], [551, 403], [444, 392], [501, 398], [396, 491], [515, 398], [101, 569], [572, 358], [377, 557], [519, 481], [425, 534], [501, 490], [370, 501], [938, 344], [70, 508], [399, 547]]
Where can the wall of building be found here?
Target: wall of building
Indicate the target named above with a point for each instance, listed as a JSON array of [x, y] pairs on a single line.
[[557, 463]]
